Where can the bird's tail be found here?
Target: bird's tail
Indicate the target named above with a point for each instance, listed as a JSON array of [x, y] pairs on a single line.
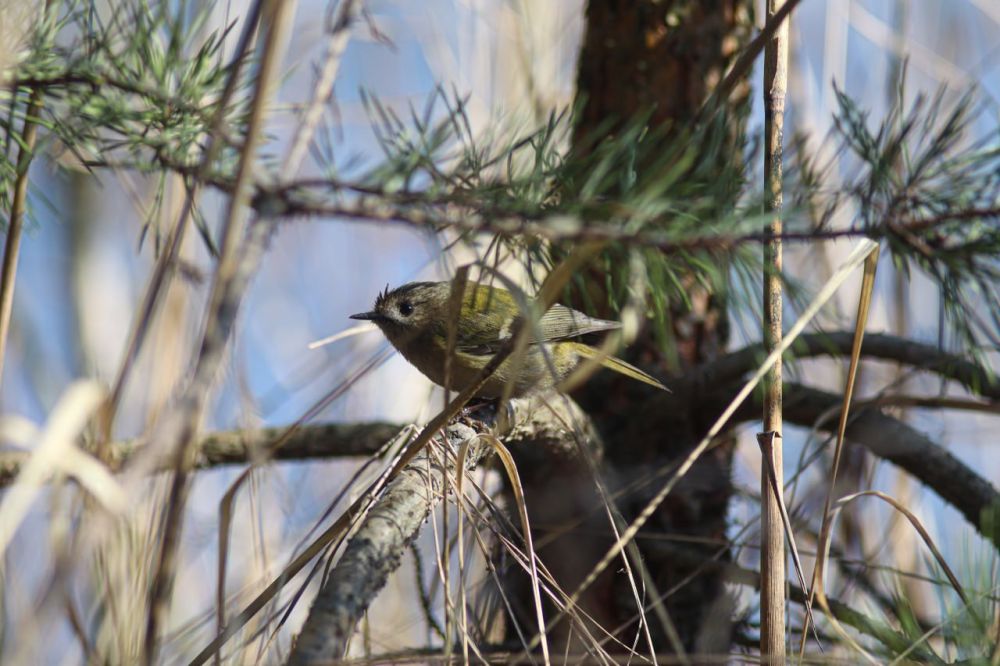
[[616, 364]]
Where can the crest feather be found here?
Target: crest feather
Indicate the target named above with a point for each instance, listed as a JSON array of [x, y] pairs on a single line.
[[380, 299]]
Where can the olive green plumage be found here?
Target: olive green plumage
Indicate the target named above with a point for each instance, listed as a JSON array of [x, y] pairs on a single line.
[[415, 319]]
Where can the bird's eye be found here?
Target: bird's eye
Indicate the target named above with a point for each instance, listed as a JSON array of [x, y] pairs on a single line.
[[406, 308]]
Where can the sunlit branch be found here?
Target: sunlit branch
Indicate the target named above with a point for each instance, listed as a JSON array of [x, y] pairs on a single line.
[[463, 212]]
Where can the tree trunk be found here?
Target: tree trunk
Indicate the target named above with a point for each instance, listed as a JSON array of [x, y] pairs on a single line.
[[663, 59]]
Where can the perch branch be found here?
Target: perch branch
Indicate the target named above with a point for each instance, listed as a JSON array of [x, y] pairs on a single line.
[[394, 521], [377, 548], [336, 440]]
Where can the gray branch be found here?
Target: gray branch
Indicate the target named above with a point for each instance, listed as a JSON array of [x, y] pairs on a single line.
[[363, 439], [376, 549], [330, 440]]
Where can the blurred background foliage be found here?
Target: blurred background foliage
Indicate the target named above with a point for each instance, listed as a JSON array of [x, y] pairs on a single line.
[[461, 131]]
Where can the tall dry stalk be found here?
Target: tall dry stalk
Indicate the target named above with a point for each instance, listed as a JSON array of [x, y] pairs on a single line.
[[772, 588], [12, 246]]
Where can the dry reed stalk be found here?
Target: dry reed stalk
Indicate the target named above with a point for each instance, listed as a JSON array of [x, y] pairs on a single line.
[[772, 565]]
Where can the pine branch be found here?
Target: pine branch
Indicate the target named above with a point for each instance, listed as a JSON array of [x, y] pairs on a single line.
[[884, 436], [902, 445], [96, 81], [242, 247], [466, 212], [846, 613], [361, 439], [19, 202]]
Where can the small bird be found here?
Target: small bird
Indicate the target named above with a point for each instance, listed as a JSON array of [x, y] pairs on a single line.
[[415, 319]]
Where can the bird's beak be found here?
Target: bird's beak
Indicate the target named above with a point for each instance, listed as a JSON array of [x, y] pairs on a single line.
[[368, 316]]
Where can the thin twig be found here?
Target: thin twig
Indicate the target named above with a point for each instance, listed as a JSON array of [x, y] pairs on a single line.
[[163, 269], [339, 36], [435, 211], [240, 251], [775, 23], [12, 245]]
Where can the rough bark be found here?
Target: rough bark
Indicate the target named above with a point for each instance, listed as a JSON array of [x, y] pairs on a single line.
[[377, 548], [664, 59], [396, 517]]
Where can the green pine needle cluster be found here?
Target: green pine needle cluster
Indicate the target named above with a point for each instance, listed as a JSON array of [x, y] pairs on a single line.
[[137, 88]]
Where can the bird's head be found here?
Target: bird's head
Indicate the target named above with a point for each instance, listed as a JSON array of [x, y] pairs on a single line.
[[408, 310]]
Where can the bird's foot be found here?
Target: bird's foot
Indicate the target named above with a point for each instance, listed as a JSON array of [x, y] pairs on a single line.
[[478, 413]]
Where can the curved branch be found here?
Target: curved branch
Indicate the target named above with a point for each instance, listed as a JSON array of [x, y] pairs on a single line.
[[883, 435], [973, 377], [909, 449], [890, 439]]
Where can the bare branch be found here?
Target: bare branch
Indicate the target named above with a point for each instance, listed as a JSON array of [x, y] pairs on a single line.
[[886, 437], [891, 439], [335, 440], [324, 441], [973, 377]]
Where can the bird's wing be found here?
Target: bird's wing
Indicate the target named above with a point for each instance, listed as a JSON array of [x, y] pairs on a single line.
[[561, 322], [489, 316]]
